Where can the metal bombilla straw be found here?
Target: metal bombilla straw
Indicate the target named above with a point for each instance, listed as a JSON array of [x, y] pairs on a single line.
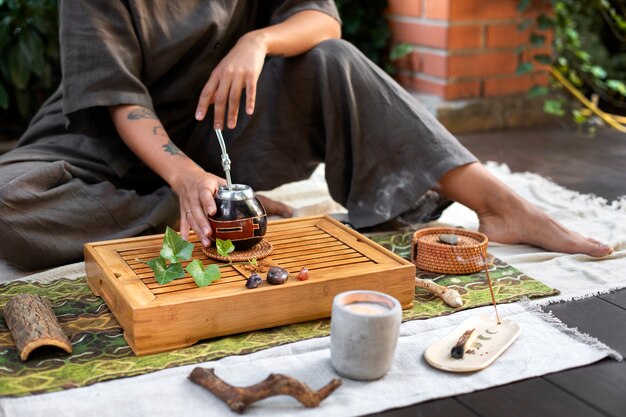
[[225, 158]]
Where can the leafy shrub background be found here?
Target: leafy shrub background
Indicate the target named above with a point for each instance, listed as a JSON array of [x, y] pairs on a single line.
[[29, 56], [589, 50]]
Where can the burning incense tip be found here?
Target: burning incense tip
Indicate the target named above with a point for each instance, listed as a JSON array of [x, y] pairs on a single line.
[[464, 342]]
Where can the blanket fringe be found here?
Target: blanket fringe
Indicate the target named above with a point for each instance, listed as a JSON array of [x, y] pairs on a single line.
[[573, 332], [558, 191]]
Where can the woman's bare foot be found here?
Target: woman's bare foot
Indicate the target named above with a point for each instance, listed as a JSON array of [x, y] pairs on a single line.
[[275, 208], [505, 217], [527, 224]]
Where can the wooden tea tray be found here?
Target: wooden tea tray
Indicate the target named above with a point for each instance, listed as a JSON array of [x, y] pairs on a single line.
[[158, 318]]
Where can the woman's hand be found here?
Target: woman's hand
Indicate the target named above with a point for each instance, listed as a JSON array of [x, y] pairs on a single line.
[[195, 194], [239, 69], [196, 197]]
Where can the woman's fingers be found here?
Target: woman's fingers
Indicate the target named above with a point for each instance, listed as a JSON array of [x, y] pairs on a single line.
[[199, 222], [197, 204], [251, 94], [233, 102], [206, 97], [184, 225]]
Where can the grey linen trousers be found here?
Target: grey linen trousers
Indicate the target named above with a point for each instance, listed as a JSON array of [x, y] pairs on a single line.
[[382, 151]]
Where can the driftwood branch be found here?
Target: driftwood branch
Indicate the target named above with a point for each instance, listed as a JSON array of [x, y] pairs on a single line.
[[33, 324], [238, 398], [449, 296]]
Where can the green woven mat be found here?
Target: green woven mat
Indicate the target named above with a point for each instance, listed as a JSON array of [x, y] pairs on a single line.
[[101, 353]]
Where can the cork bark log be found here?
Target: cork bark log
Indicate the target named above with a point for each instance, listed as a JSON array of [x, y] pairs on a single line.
[[33, 324]]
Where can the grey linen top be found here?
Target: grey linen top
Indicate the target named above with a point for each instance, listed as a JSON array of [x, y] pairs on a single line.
[[156, 54]]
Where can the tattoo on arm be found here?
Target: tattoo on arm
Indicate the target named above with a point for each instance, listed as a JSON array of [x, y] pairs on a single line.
[[171, 148], [158, 131], [141, 113]]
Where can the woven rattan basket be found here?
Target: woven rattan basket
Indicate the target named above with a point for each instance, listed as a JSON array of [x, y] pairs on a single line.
[[466, 257]]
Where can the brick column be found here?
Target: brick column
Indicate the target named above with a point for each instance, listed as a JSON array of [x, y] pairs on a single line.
[[464, 49]]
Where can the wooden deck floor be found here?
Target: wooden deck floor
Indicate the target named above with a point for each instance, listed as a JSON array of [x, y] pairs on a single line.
[[590, 166]]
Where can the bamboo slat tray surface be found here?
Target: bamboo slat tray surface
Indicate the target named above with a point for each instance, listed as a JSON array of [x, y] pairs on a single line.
[[157, 318]]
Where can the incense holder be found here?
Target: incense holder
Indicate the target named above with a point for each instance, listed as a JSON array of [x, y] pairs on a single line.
[[240, 217], [492, 339]]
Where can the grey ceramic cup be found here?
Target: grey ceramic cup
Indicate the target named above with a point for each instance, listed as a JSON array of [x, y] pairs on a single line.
[[364, 330]]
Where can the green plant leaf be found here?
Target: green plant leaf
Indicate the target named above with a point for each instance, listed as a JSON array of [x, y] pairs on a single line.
[[175, 248], [545, 22], [165, 273], [18, 69], [537, 91], [4, 97], [523, 68], [399, 51], [202, 276], [578, 117], [553, 107], [5, 27], [523, 5], [617, 85], [32, 49], [598, 71], [537, 39], [224, 247], [543, 59], [524, 24], [254, 262]]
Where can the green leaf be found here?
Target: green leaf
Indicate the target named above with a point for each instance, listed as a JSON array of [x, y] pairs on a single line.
[[175, 248], [524, 24], [165, 273], [579, 118], [537, 39], [572, 34], [537, 91], [4, 97], [543, 59], [202, 276], [523, 5], [553, 107], [617, 85], [523, 68], [224, 247], [5, 27], [598, 72], [254, 262], [400, 50], [32, 49], [545, 22], [18, 69]]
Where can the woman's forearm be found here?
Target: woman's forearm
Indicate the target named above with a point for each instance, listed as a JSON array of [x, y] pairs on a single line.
[[144, 134], [297, 34]]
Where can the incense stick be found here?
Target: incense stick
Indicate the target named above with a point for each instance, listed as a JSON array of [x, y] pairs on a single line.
[[493, 297]]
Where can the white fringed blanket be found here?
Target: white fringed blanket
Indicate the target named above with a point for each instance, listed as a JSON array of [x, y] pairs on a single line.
[[411, 380]]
